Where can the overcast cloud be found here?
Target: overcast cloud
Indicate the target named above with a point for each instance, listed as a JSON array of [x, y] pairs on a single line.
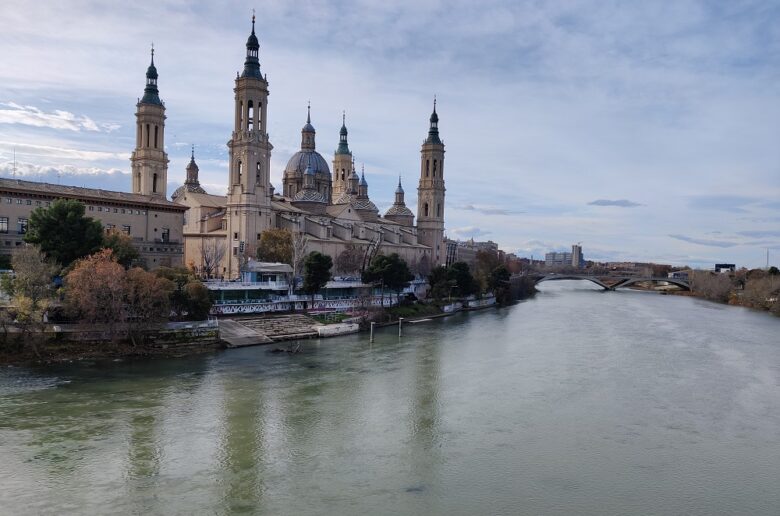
[[558, 116]]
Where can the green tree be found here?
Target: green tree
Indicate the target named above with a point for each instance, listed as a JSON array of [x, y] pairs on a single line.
[[440, 283], [485, 263], [773, 271], [498, 283], [316, 272], [460, 273], [122, 247], [189, 299], [275, 245], [388, 271], [63, 233]]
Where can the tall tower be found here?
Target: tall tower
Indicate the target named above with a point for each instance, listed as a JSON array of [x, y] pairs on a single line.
[[342, 162], [149, 161], [430, 193], [248, 200]]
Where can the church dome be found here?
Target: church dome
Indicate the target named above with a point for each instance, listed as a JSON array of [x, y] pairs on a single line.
[[306, 158], [399, 209], [187, 187], [310, 196]]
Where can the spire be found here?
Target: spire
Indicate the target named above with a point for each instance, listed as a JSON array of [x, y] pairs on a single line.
[[308, 132], [252, 63], [151, 93], [400, 189], [433, 132], [343, 147], [192, 169]]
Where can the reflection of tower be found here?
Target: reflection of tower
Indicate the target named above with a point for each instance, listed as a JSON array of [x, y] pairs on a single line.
[[149, 160], [341, 162], [430, 193], [248, 200]]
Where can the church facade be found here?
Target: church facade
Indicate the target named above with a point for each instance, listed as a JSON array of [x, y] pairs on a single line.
[[328, 209]]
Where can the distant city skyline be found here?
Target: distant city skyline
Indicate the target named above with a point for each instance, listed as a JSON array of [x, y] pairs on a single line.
[[646, 132]]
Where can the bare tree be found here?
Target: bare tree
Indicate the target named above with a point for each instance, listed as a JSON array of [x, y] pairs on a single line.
[[299, 244], [212, 252], [349, 260]]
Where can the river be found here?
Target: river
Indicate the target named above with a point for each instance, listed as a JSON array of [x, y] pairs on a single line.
[[575, 402]]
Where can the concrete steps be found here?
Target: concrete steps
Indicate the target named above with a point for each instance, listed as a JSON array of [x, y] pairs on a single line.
[[282, 327], [237, 335]]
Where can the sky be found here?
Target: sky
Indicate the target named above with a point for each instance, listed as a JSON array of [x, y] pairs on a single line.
[[647, 131]]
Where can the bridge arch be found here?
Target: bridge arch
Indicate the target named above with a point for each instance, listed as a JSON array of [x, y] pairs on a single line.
[[559, 277]]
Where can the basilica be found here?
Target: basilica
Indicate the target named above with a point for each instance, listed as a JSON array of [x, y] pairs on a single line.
[[327, 208]]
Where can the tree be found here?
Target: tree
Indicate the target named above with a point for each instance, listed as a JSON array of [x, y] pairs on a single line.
[[62, 231], [299, 244], [122, 246], [440, 283], [316, 272], [485, 263], [715, 287], [31, 289], [212, 252], [276, 245], [388, 271], [96, 290], [464, 282], [189, 298], [148, 299], [499, 284], [349, 260], [773, 271]]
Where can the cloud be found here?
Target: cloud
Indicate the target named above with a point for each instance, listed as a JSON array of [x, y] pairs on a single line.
[[13, 113], [489, 210], [760, 234], [60, 152], [729, 203], [621, 203], [466, 233], [701, 241]]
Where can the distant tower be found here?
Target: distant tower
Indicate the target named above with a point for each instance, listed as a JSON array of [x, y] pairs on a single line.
[[149, 161], [341, 162], [191, 184], [430, 193], [398, 212], [248, 199]]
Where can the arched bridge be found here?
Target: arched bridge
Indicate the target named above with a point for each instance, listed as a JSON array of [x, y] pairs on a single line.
[[610, 282]]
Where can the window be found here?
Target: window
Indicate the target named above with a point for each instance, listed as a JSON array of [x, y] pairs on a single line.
[[166, 234], [18, 201], [235, 251], [8, 200], [91, 208], [38, 203], [100, 208], [116, 210], [434, 168], [48, 204], [137, 212], [235, 236], [126, 229], [154, 183], [110, 228], [438, 209], [427, 166], [22, 226], [425, 209], [147, 135], [3, 224], [29, 202], [156, 129]]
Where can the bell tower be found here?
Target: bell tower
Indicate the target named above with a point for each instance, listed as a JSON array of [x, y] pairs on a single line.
[[430, 193], [342, 162], [149, 161], [248, 208]]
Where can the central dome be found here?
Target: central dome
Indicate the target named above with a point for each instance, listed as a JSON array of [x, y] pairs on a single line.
[[306, 158]]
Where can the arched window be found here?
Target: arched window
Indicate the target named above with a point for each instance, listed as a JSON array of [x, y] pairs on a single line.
[[240, 114], [343, 174], [238, 177], [438, 209], [154, 183], [156, 134], [250, 118], [425, 209], [427, 166], [147, 135], [434, 168], [258, 170]]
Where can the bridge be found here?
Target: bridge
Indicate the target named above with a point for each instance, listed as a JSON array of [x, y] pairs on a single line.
[[610, 282]]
